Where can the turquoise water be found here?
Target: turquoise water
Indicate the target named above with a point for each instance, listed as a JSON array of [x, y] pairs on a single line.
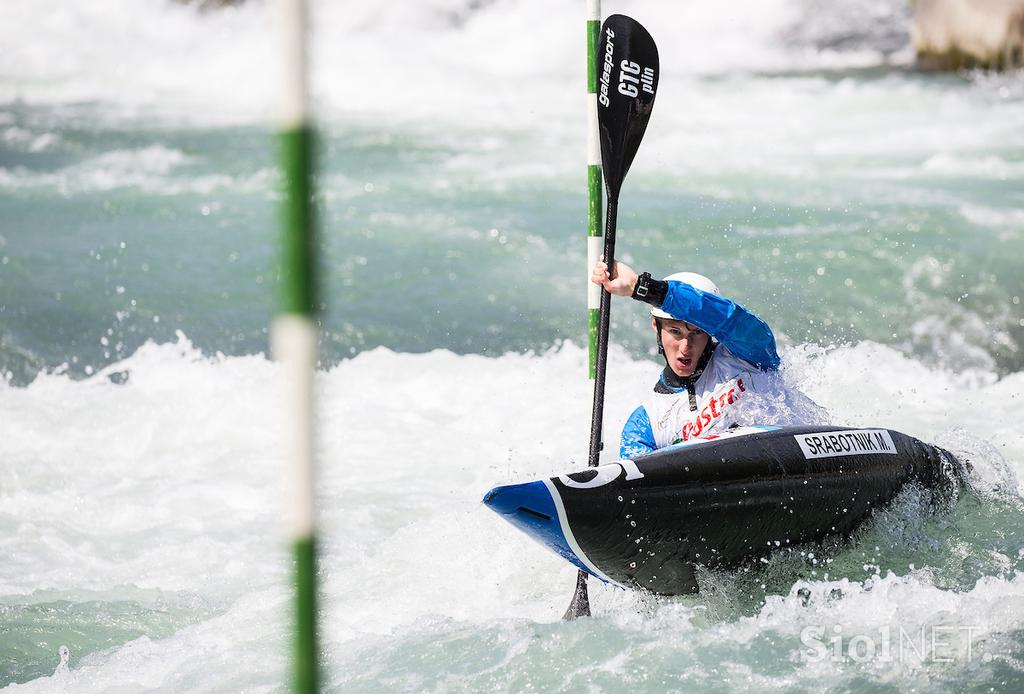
[[873, 215], [135, 233]]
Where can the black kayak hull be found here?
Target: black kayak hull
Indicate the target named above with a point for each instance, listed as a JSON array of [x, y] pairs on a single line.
[[719, 501]]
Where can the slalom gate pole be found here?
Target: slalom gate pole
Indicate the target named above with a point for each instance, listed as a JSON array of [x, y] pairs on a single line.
[[594, 232], [580, 604], [294, 334]]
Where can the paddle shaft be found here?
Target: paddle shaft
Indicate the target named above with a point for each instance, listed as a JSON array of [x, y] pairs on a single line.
[[580, 604], [604, 322]]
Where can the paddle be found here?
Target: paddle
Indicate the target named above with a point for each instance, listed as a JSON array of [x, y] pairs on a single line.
[[627, 74]]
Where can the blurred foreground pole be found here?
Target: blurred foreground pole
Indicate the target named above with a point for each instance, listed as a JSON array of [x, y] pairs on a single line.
[[294, 334], [594, 233]]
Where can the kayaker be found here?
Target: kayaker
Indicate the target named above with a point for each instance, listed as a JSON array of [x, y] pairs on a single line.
[[721, 363]]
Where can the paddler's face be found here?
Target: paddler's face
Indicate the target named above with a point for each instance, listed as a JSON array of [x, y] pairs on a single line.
[[683, 343]]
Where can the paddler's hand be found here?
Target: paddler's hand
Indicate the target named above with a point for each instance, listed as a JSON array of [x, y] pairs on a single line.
[[624, 282]]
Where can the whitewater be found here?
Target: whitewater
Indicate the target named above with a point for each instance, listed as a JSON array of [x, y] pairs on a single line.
[[872, 215]]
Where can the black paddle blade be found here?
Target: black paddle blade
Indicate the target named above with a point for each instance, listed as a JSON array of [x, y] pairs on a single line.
[[627, 79]]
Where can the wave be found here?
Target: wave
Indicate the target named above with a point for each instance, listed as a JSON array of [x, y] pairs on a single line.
[[984, 167], [146, 58], [893, 389], [154, 170], [161, 494]]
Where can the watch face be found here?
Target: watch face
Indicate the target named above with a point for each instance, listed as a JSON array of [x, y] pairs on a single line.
[[640, 291]]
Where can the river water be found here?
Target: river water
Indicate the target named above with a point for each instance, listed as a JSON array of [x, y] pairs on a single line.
[[873, 215]]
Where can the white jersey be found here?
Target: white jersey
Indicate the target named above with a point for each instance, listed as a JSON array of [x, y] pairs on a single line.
[[731, 390], [669, 415]]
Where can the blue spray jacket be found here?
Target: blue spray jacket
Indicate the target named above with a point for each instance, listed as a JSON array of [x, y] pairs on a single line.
[[744, 362]]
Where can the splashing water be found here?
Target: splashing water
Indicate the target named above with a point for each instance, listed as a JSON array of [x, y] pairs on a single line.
[[871, 214]]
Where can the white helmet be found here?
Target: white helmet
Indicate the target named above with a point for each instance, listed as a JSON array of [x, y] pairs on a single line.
[[694, 280]]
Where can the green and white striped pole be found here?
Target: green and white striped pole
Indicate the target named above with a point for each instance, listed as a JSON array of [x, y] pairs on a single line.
[[594, 230], [294, 334], [580, 604]]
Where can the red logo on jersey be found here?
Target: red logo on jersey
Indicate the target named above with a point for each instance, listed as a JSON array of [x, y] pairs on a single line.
[[711, 412]]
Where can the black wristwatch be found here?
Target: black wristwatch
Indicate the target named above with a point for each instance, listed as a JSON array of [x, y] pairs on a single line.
[[642, 287], [650, 290]]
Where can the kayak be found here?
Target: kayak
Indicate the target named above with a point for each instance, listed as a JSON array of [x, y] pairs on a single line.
[[719, 500]]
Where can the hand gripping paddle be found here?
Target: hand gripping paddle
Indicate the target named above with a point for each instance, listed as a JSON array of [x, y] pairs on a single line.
[[627, 79]]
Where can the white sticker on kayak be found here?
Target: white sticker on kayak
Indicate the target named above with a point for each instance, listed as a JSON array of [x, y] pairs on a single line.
[[830, 444]]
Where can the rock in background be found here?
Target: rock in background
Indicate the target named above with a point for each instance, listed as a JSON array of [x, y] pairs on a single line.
[[959, 34]]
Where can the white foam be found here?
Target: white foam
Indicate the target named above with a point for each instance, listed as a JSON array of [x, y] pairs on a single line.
[[171, 483], [986, 167], [489, 64], [156, 170], [1010, 220]]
